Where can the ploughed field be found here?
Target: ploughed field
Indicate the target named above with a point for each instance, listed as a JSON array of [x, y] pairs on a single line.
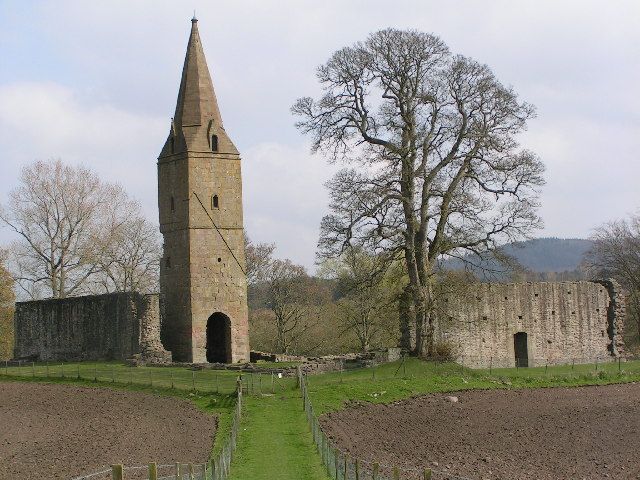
[[63, 431], [550, 433]]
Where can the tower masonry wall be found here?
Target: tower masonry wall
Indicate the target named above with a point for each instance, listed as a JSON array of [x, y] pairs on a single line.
[[565, 322], [114, 326]]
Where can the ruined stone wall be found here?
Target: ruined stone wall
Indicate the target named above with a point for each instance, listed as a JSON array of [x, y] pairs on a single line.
[[564, 322], [97, 327]]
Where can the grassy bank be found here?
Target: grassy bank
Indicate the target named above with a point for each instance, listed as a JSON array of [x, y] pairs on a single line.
[[179, 378], [399, 380]]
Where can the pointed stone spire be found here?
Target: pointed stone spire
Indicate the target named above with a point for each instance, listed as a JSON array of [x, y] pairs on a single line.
[[197, 103], [197, 123]]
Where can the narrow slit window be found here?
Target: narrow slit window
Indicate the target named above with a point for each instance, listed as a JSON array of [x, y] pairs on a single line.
[[214, 143], [173, 145], [214, 202], [168, 262], [173, 204]]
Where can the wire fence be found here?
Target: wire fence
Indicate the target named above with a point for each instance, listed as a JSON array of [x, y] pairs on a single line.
[[531, 369], [197, 380], [341, 465], [561, 364], [217, 468]]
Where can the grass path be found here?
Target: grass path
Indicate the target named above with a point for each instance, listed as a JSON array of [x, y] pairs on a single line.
[[275, 442]]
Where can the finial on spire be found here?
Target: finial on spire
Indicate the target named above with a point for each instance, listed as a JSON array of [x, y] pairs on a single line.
[[194, 19]]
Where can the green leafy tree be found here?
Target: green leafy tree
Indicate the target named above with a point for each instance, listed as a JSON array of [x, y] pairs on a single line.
[[367, 287]]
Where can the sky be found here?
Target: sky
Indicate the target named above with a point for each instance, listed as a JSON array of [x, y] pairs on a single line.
[[95, 83]]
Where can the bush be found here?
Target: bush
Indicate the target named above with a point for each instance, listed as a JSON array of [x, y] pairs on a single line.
[[446, 351]]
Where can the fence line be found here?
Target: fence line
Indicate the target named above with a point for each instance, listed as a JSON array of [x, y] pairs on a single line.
[[217, 468], [342, 466], [204, 380]]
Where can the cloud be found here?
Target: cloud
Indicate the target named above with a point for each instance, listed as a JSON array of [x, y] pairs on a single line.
[[284, 198], [96, 83], [39, 121]]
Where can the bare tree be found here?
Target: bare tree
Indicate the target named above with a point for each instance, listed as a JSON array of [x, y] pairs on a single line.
[[435, 168], [131, 260], [69, 224], [286, 297], [259, 257], [616, 253]]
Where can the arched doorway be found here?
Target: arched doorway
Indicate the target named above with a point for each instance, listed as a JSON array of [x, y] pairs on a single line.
[[521, 350], [219, 338]]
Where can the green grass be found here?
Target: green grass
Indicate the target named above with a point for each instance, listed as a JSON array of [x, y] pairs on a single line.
[[396, 381], [275, 441], [180, 378]]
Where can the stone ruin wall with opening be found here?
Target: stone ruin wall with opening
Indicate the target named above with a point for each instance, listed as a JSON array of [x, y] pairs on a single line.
[[114, 326], [564, 321]]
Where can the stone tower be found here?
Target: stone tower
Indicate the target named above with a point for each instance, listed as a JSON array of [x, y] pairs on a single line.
[[202, 275]]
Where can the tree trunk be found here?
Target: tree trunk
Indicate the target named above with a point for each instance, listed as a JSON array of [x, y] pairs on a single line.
[[406, 312], [425, 313]]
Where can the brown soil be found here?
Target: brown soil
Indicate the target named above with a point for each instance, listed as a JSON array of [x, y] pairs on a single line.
[[61, 431], [554, 433]]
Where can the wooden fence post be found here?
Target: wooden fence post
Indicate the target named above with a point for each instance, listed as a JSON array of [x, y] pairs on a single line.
[[328, 454], [153, 471], [427, 474], [117, 472], [619, 364], [357, 469], [396, 473], [376, 469], [346, 468], [178, 472], [191, 471], [193, 380]]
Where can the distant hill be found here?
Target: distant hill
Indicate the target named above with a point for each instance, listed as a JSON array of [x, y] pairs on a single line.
[[549, 254], [542, 257]]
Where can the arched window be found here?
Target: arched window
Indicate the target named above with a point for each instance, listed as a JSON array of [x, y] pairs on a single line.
[[173, 204], [214, 202], [214, 143]]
